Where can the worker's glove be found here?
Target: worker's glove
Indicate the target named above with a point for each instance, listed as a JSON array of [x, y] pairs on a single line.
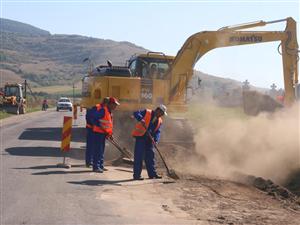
[[109, 136]]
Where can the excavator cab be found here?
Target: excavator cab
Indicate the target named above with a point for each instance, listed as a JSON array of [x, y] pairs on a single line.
[[153, 65], [13, 90]]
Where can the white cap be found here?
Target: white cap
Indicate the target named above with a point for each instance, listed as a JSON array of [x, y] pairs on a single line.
[[163, 108]]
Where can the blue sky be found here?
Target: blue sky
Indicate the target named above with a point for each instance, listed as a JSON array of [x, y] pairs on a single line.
[[165, 25]]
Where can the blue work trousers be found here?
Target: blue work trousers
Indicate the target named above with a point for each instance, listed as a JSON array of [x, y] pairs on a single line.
[[89, 146], [143, 150], [99, 146]]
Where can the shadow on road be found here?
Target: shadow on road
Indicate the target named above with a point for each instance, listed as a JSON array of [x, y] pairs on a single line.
[[61, 172], [52, 134], [124, 170], [100, 182], [44, 167], [75, 153]]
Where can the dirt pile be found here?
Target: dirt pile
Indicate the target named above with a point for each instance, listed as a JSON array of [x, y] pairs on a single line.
[[282, 194], [255, 102], [219, 201], [293, 182]]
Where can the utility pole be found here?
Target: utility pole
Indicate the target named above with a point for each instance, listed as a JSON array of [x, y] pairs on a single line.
[[25, 89], [73, 93]]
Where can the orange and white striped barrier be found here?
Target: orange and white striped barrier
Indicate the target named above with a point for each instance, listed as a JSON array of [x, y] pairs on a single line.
[[66, 134], [65, 140]]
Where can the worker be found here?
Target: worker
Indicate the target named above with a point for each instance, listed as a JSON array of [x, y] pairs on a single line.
[[149, 124], [90, 113], [44, 105], [103, 128], [154, 72]]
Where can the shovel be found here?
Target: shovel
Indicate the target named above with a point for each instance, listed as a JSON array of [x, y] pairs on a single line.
[[171, 173], [123, 151]]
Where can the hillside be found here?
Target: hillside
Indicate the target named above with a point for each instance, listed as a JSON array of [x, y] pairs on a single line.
[[11, 26], [30, 53]]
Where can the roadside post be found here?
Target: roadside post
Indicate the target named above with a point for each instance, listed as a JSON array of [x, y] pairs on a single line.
[[80, 109], [75, 113], [65, 142]]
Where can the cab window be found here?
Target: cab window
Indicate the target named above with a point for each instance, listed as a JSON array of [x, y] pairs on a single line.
[[133, 68]]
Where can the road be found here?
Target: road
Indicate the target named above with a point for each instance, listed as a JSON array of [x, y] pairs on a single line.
[[35, 192]]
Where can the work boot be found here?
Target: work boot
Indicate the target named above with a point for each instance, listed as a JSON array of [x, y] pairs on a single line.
[[156, 177], [99, 170], [138, 178]]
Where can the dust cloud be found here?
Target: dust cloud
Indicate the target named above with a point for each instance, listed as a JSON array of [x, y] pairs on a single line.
[[266, 145]]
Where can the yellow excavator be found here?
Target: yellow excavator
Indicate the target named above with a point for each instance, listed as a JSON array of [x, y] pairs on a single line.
[[155, 78]]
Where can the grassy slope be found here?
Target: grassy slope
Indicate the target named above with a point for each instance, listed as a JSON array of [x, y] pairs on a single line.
[[4, 115], [208, 112]]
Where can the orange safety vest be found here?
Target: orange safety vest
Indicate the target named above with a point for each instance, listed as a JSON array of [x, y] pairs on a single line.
[[140, 130], [106, 124]]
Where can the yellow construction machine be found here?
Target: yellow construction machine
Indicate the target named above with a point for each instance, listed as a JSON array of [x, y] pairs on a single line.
[[154, 78], [13, 97], [13, 100]]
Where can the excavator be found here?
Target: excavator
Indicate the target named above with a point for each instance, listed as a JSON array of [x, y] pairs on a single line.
[[155, 78]]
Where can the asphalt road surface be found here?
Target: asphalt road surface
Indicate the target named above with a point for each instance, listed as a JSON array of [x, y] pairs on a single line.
[[34, 191]]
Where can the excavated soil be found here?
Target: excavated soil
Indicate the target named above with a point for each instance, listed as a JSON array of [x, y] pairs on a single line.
[[255, 102], [218, 201]]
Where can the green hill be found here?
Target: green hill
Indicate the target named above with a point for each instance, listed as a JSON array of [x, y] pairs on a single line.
[[28, 52]]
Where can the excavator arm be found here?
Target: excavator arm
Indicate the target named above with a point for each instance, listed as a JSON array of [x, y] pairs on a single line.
[[200, 43]]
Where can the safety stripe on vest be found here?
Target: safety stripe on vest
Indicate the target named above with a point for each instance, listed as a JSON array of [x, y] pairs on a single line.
[[139, 130], [105, 125]]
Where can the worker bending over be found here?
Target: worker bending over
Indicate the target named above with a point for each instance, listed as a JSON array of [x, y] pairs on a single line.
[[149, 124], [103, 128]]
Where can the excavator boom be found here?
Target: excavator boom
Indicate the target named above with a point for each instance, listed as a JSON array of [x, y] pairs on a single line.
[[199, 44]]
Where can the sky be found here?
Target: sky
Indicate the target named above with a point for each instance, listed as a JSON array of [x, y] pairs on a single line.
[[165, 25]]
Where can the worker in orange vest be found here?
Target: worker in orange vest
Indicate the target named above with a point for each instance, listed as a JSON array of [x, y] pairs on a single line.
[[89, 117], [103, 128], [149, 123]]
